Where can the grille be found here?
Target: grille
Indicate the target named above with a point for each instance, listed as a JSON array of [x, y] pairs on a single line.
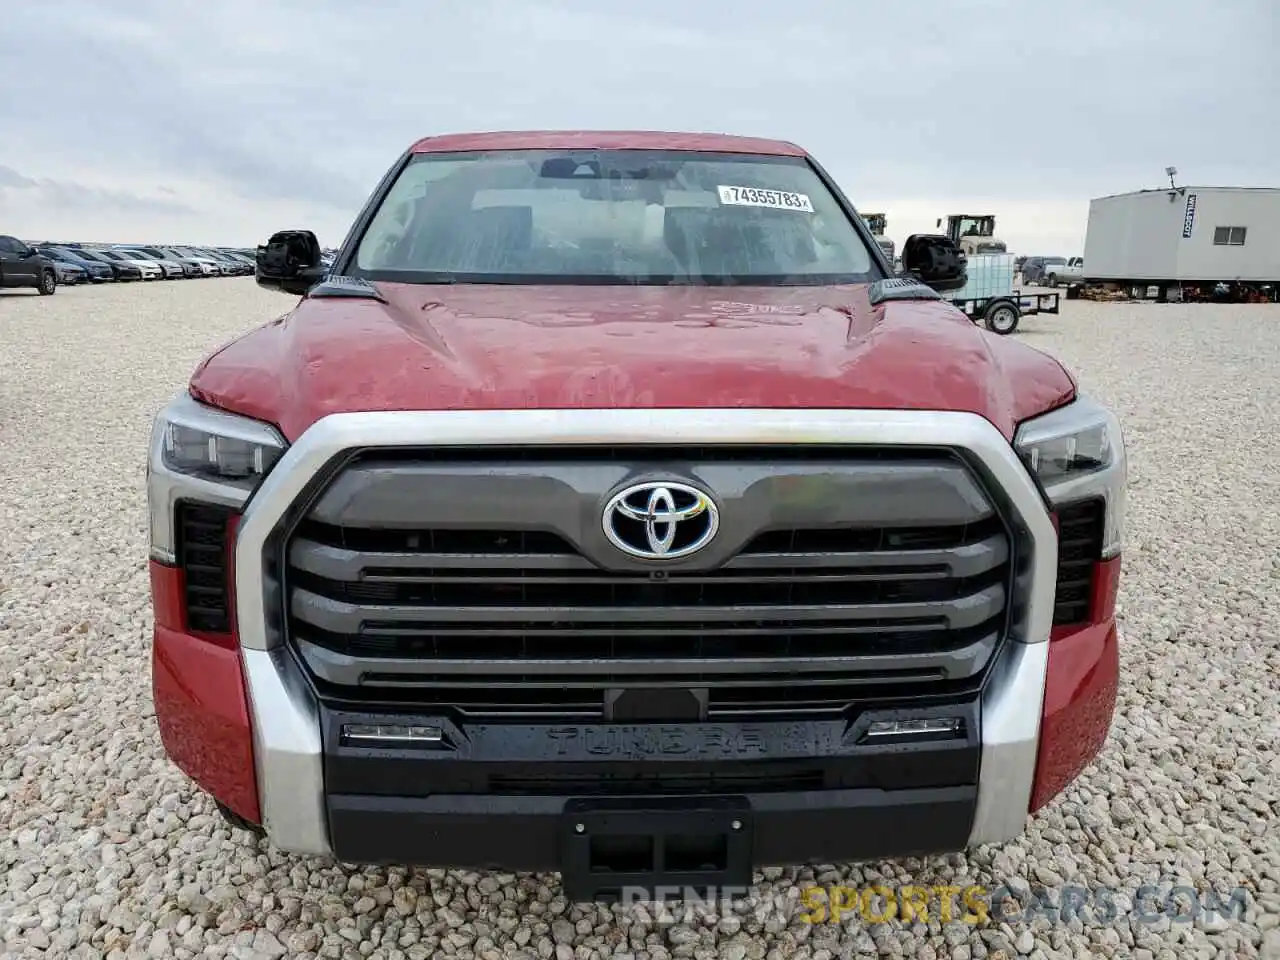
[[202, 553], [518, 625], [1080, 534]]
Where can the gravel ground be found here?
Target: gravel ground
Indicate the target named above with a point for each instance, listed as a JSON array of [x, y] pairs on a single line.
[[107, 850]]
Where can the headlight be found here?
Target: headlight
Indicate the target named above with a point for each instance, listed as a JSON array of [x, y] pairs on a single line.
[[1077, 453], [238, 456], [206, 455]]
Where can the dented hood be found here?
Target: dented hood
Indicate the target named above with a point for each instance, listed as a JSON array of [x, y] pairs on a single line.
[[478, 347]]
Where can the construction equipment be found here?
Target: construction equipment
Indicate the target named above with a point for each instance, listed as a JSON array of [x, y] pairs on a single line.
[[876, 223], [975, 233]]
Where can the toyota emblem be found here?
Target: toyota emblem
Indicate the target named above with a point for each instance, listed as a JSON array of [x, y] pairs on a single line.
[[660, 521]]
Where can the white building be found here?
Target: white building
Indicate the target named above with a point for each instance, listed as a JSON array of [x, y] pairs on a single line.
[[1186, 235]]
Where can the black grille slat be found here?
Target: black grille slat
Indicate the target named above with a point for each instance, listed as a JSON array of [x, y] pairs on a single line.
[[386, 613], [1080, 535], [785, 587], [324, 559], [202, 555], [690, 646], [512, 543], [341, 617]]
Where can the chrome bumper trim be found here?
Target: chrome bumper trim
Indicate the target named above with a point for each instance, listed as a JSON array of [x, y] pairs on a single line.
[[285, 717]]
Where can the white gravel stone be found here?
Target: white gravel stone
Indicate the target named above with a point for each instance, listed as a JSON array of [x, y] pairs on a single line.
[[107, 850]]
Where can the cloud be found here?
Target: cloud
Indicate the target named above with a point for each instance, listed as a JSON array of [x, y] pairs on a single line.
[[12, 179], [64, 197], [259, 115]]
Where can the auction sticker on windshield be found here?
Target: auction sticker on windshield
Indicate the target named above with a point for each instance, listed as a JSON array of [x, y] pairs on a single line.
[[756, 197]]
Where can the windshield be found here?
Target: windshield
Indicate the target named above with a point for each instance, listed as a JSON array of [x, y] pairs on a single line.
[[976, 226], [631, 216]]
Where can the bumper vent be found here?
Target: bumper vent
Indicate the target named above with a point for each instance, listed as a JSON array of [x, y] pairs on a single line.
[[1080, 534], [203, 553]]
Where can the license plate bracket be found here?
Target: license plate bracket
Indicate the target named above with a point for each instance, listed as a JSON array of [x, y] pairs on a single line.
[[655, 849]]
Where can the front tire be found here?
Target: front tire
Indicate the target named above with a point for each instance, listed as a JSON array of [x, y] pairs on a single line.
[[1002, 318], [48, 283]]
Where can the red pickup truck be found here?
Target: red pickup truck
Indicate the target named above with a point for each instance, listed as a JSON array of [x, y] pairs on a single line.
[[610, 507]]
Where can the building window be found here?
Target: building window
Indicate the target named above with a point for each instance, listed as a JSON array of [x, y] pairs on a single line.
[[1229, 236]]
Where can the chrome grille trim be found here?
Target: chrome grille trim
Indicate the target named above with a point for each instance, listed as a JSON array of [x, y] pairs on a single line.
[[288, 755]]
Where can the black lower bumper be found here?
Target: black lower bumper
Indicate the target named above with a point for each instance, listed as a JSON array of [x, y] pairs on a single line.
[[648, 843], [646, 806]]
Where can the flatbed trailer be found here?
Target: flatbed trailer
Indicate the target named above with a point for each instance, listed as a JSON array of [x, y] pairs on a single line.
[[990, 297], [1002, 313]]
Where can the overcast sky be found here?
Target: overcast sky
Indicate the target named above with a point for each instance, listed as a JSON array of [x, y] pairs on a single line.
[[220, 121]]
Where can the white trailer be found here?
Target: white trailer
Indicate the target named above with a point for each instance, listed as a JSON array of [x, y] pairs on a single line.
[[1186, 240]]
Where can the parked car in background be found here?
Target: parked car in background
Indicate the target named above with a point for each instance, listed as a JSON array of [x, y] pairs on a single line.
[[69, 274], [244, 265], [151, 270], [171, 269], [213, 258], [234, 267], [24, 266], [120, 269], [202, 266], [1034, 269], [227, 267], [190, 266], [96, 271], [1070, 272]]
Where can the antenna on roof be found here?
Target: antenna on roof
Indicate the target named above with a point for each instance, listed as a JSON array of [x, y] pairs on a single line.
[[1171, 172]]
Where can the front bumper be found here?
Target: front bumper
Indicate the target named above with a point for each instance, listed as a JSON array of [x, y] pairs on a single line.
[[513, 796]]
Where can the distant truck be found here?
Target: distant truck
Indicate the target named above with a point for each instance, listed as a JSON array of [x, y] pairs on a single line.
[[1052, 271], [22, 265], [1070, 272]]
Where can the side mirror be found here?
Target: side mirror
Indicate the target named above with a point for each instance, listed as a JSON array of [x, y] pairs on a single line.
[[935, 261], [30, 252], [290, 262]]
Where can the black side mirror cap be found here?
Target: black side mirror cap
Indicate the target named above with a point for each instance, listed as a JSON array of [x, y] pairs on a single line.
[[936, 261], [291, 262]]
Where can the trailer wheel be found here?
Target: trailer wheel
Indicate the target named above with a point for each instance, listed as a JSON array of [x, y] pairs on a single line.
[[1002, 317]]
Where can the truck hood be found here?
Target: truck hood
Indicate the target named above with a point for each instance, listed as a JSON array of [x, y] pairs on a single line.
[[478, 347]]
